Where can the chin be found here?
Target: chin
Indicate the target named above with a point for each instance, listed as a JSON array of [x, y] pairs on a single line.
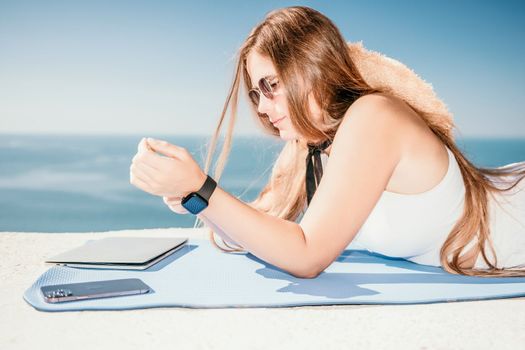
[[286, 135]]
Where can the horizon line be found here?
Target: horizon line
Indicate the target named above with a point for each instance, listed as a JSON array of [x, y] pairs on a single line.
[[208, 135]]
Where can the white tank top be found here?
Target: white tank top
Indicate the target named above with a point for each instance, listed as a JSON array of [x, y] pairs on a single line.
[[415, 226]]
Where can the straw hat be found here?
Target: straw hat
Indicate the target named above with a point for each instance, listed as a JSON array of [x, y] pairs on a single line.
[[392, 76]]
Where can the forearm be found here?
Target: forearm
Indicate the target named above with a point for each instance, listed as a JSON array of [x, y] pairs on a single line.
[[277, 241]]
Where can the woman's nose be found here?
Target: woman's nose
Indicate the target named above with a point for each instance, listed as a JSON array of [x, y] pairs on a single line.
[[265, 104]]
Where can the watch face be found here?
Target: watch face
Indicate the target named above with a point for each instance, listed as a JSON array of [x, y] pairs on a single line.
[[194, 203]]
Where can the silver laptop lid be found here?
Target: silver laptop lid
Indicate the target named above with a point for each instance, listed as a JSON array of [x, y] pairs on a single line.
[[119, 250]]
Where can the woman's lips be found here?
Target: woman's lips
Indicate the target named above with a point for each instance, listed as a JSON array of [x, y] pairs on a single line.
[[277, 121]]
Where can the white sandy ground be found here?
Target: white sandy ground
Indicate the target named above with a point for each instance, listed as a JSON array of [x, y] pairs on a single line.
[[490, 324]]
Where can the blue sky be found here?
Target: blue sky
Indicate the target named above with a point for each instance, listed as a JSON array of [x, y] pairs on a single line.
[[164, 67]]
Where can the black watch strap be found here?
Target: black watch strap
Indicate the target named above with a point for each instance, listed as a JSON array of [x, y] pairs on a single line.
[[207, 189]]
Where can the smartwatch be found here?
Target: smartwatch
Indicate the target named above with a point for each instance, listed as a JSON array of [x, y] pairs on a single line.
[[195, 202]]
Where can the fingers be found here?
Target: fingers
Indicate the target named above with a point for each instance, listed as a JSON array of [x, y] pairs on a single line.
[[143, 171], [167, 148], [148, 158], [158, 174], [139, 183], [144, 168], [147, 148], [143, 146]]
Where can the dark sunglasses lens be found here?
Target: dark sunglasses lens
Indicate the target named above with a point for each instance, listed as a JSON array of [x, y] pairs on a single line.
[[266, 88], [254, 96]]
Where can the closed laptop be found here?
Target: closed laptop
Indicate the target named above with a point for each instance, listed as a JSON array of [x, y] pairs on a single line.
[[130, 251]]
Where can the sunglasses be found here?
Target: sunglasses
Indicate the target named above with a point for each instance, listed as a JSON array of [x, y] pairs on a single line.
[[266, 87]]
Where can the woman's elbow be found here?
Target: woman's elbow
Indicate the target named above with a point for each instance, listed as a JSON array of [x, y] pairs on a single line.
[[311, 275], [306, 273]]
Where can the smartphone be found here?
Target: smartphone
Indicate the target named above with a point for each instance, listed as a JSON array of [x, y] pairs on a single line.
[[59, 293]]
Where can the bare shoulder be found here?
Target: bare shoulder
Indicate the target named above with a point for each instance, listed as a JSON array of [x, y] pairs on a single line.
[[382, 112], [376, 99], [378, 114], [422, 156], [381, 106], [388, 124]]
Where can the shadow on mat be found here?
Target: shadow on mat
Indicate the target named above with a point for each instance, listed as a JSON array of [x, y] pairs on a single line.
[[349, 284], [171, 258]]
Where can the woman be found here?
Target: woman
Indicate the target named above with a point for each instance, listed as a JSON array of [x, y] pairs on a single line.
[[395, 182]]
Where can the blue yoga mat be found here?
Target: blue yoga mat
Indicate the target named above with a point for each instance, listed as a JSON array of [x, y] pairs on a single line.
[[200, 276]]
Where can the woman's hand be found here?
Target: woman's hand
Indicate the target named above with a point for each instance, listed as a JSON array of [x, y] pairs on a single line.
[[174, 204], [175, 175]]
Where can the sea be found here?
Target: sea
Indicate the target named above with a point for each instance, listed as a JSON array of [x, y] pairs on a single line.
[[80, 183]]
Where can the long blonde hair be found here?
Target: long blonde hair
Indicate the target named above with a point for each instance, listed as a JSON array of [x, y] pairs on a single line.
[[304, 44]]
